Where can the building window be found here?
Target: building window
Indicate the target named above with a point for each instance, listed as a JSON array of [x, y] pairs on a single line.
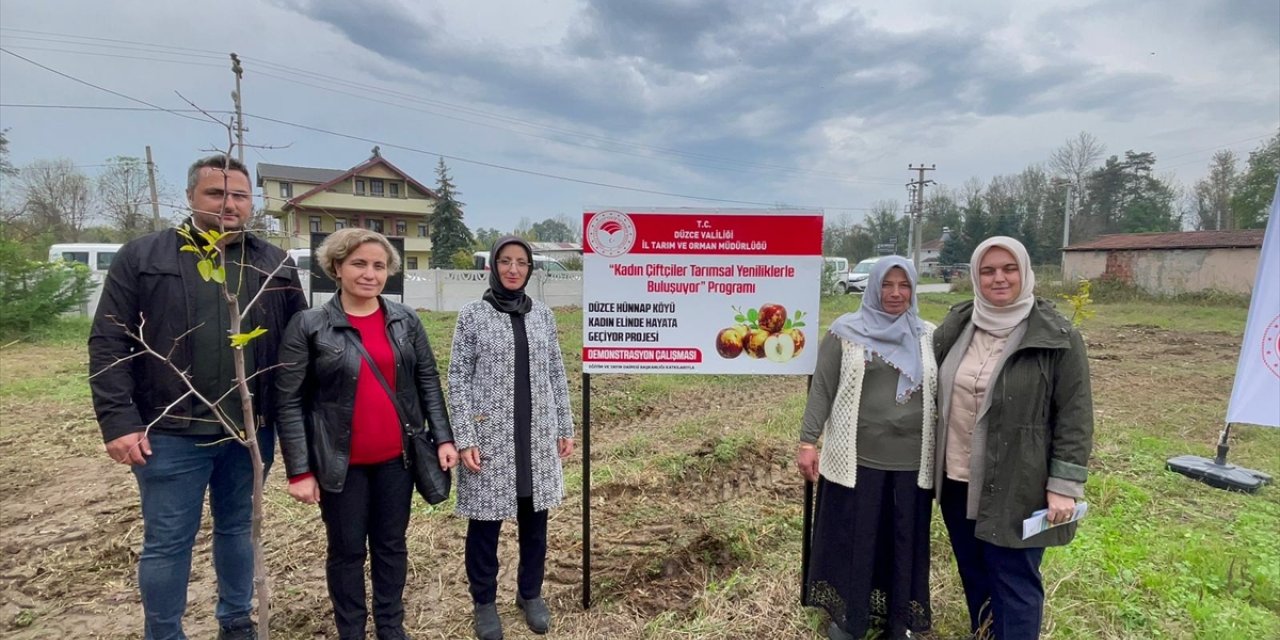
[[422, 230], [373, 224], [339, 224], [375, 188], [359, 187], [393, 189], [401, 227], [411, 262], [286, 189], [315, 224]]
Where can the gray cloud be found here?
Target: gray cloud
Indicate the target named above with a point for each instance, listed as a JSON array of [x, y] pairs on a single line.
[[749, 78]]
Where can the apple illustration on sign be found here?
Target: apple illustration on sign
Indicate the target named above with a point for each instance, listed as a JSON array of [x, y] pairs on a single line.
[[765, 333]]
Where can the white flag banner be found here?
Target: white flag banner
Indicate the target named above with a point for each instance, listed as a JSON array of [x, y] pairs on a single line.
[[1255, 398]]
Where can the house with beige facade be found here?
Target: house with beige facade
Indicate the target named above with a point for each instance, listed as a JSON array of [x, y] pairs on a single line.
[[374, 194], [1170, 263]]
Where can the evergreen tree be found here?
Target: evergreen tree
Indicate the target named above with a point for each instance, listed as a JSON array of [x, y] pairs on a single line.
[[1125, 197], [449, 234]]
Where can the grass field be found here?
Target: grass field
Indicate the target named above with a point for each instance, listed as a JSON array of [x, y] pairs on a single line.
[[696, 506]]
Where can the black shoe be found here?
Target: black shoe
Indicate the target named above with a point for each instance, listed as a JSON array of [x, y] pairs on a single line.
[[393, 634], [243, 629], [834, 632], [488, 625], [536, 614]]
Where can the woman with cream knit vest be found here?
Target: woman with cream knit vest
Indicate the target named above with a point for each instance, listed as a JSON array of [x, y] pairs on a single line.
[[872, 402]]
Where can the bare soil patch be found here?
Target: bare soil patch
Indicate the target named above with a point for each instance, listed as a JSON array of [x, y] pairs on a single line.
[[70, 528]]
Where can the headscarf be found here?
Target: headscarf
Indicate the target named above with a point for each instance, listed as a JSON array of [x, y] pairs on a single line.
[[502, 298], [987, 316], [896, 339]]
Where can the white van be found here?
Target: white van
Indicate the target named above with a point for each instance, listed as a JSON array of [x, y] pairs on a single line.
[[550, 265], [835, 270], [302, 258], [97, 256]]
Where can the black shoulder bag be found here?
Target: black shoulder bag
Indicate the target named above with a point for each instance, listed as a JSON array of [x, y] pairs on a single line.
[[421, 459]]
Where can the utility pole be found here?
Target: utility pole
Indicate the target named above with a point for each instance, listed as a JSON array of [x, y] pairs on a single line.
[[1066, 228], [155, 197], [917, 214], [235, 97]]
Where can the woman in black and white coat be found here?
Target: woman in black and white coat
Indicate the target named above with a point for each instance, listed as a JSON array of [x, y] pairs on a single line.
[[513, 426]]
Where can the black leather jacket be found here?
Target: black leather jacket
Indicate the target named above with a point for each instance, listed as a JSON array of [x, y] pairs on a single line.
[[148, 280], [316, 387]]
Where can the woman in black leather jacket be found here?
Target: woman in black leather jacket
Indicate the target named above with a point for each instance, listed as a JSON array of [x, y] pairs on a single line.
[[340, 432]]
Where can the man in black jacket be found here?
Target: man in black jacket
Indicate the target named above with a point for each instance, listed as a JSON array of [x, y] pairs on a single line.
[[153, 421]]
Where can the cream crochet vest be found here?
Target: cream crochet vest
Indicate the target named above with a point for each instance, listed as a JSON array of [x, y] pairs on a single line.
[[838, 461]]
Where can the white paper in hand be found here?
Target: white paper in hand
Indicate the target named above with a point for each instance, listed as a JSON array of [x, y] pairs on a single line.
[[1039, 521]]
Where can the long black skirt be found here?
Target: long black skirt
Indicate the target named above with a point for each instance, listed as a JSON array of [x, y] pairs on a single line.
[[870, 562]]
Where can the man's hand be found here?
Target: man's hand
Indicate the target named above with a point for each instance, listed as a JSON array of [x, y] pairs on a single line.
[[130, 449]]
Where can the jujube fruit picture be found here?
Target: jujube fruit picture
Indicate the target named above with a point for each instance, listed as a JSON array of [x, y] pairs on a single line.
[[764, 333]]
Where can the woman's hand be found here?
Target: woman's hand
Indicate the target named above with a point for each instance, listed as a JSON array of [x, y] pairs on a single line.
[[448, 455], [807, 461], [306, 491], [565, 446], [471, 459], [1061, 507]]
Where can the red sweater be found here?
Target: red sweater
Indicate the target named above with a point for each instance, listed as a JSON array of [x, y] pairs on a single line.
[[375, 427]]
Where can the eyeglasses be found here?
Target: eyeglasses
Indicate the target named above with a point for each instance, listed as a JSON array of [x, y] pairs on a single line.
[[507, 263]]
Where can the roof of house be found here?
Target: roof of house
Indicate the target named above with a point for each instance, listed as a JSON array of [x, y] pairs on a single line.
[[287, 173], [339, 176], [1246, 238], [932, 245]]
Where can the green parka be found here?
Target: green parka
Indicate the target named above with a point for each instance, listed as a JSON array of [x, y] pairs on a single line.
[[1039, 425]]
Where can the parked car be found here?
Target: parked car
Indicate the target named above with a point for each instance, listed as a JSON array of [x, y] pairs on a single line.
[[550, 265], [859, 273], [836, 274]]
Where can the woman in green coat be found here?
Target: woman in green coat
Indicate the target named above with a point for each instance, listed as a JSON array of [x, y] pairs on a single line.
[[1014, 434]]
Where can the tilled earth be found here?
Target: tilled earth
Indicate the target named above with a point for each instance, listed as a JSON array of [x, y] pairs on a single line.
[[665, 564]]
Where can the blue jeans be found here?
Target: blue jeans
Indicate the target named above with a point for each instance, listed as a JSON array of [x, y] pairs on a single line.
[[1008, 580], [172, 485]]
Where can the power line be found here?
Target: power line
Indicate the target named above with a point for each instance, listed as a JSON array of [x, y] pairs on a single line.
[[618, 146], [541, 174], [133, 45], [100, 88], [114, 55], [462, 159], [94, 38], [92, 107], [427, 152]]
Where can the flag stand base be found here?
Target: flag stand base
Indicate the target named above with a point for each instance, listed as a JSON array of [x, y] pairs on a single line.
[[1217, 472], [1220, 476]]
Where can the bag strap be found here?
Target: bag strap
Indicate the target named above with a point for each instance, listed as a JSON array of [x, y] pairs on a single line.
[[377, 373]]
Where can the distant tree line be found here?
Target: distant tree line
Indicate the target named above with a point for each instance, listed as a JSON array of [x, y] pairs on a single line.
[[50, 201], [1107, 194]]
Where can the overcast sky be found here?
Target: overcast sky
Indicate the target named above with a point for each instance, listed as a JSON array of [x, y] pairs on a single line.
[[812, 104]]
